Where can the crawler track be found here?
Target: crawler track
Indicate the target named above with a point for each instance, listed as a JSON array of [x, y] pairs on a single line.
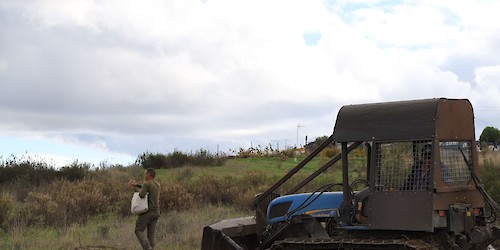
[[361, 243]]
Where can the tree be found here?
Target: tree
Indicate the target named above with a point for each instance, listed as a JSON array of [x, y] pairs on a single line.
[[490, 135]]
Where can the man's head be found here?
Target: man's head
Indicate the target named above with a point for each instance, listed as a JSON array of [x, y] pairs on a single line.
[[149, 174], [426, 156], [426, 152]]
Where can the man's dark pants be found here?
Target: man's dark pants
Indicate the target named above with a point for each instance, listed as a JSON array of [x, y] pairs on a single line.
[[147, 221]]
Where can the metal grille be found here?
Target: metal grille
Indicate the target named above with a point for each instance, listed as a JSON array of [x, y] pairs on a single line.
[[357, 166], [400, 166], [454, 159]]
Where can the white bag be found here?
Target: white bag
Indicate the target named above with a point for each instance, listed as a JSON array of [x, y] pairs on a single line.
[[139, 205]]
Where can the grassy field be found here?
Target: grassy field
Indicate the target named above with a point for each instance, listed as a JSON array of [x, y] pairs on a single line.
[[269, 167], [175, 230], [240, 166], [193, 197], [178, 228]]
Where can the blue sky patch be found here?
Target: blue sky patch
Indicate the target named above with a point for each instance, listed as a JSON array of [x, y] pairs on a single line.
[[311, 39]]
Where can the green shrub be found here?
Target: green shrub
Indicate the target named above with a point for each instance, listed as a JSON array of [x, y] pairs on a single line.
[[253, 179], [117, 195], [5, 207], [203, 158], [150, 160], [43, 210], [329, 152], [19, 189], [231, 190], [39, 173], [34, 174], [216, 190], [80, 200], [67, 202], [244, 200], [178, 159], [76, 171], [288, 152], [175, 196]]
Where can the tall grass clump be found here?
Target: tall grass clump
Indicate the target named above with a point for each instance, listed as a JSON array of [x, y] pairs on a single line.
[[490, 178]]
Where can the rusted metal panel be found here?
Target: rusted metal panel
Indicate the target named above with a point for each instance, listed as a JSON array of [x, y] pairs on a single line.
[[454, 120], [410, 211], [416, 119], [387, 121], [442, 200]]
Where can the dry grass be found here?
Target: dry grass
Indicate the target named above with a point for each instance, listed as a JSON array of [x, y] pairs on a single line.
[[175, 230], [492, 156]]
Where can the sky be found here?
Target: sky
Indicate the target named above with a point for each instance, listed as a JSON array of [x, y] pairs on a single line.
[[103, 81]]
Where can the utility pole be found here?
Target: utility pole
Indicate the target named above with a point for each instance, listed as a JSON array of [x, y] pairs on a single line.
[[298, 127]]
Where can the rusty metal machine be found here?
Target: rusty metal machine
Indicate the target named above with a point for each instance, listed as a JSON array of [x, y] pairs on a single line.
[[421, 189]]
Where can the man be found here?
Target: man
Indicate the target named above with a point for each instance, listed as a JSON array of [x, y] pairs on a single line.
[[148, 219], [420, 174]]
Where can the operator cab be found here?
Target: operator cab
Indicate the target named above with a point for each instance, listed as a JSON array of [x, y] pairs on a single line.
[[422, 155]]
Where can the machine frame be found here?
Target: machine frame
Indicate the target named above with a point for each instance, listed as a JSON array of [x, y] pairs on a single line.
[[448, 211]]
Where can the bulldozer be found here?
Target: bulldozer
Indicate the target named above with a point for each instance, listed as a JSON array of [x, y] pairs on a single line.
[[419, 187]]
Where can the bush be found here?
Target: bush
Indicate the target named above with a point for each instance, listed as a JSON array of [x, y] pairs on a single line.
[[244, 200], [76, 171], [216, 190], [37, 173], [178, 159], [288, 152], [31, 173], [117, 195], [150, 160], [175, 196], [42, 209], [5, 207], [329, 152], [204, 158], [230, 190], [254, 179], [65, 203]]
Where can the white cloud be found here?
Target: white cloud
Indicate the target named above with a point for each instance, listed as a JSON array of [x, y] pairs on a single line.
[[405, 26], [488, 81], [158, 75]]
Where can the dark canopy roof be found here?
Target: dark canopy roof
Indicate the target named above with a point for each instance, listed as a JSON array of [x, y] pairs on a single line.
[[403, 120]]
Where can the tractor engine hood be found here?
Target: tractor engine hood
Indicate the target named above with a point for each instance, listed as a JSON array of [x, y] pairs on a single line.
[[319, 205]]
